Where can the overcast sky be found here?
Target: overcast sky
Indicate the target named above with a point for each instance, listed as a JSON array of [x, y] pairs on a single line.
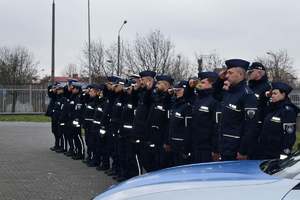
[[232, 28]]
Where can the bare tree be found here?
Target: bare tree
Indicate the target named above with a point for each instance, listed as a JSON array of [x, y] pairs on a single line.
[[71, 70], [17, 67], [98, 70], [181, 68], [279, 66], [208, 62], [152, 52]]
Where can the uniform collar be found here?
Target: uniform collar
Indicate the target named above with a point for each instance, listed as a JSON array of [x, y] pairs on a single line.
[[238, 87]]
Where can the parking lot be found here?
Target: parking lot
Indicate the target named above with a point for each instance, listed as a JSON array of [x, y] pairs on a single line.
[[29, 170]]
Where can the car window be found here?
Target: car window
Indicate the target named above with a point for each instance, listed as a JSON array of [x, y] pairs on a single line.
[[286, 168]]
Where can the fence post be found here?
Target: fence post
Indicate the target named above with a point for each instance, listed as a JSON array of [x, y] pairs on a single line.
[[30, 95]]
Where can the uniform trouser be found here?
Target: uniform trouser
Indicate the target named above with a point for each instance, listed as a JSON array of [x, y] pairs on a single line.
[[78, 141], [87, 138], [121, 156], [69, 134], [133, 165], [201, 155], [62, 136], [55, 131], [228, 157], [155, 158], [101, 152], [112, 146], [180, 158]]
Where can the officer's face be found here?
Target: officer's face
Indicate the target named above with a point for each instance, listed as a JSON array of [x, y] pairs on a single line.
[[60, 91], [277, 96], [234, 75], [162, 86], [147, 82], [75, 91], [92, 92], [118, 88], [204, 84], [255, 74]]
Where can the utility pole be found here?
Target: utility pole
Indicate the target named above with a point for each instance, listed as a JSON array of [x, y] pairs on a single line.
[[53, 44], [89, 41]]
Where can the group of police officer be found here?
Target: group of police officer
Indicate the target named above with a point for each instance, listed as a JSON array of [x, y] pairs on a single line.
[[147, 122]]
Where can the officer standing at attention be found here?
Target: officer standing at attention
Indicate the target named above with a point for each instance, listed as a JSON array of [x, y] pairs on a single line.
[[178, 137], [203, 131], [157, 125], [278, 133], [141, 112], [75, 116], [238, 126], [259, 84]]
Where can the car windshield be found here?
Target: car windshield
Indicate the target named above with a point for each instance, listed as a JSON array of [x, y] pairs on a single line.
[[285, 168]]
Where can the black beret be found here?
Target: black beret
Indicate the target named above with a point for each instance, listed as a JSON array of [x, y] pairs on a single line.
[[257, 65], [204, 75], [237, 63], [282, 86], [181, 84], [165, 78], [147, 73]]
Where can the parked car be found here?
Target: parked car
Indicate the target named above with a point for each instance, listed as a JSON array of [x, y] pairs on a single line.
[[250, 179]]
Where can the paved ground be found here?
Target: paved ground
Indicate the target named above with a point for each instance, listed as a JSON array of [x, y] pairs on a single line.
[[30, 171]]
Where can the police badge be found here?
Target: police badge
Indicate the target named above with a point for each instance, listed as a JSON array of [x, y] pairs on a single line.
[[251, 113], [289, 128]]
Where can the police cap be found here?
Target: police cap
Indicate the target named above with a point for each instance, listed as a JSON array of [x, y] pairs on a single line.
[[257, 65], [282, 87], [167, 78], [211, 75], [147, 73], [181, 84], [237, 63]]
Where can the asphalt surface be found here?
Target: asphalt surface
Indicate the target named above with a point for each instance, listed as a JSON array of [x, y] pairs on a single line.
[[30, 171]]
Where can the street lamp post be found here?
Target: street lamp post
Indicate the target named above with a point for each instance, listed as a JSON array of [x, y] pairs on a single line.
[[89, 41], [119, 48]]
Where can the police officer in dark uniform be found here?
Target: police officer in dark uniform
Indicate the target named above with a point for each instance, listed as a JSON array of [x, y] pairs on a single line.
[[49, 112], [88, 119], [56, 117], [141, 112], [130, 165], [238, 126], [109, 96], [179, 115], [157, 126], [278, 133], [203, 131], [75, 116], [259, 84]]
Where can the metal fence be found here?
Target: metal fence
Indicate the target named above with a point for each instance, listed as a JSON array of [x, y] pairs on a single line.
[[23, 99], [34, 99]]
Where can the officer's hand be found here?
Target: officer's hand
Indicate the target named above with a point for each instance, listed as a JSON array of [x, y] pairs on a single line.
[[222, 74], [215, 156], [167, 147], [241, 157], [193, 83]]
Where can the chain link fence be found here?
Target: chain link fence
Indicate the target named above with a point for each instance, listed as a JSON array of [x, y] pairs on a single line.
[[23, 99]]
